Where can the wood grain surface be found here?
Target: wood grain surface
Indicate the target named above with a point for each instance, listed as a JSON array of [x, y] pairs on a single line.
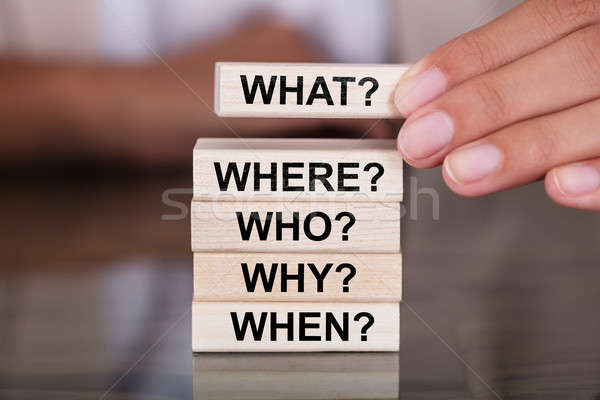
[[236, 277], [341, 170], [361, 100], [214, 326], [216, 227]]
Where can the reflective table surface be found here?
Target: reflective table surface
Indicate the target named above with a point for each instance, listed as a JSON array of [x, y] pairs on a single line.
[[501, 301]]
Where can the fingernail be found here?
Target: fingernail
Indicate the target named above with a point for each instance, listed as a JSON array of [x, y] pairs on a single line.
[[414, 91], [473, 163], [426, 136], [577, 179]]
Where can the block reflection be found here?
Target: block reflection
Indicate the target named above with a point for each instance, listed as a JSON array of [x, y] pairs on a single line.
[[296, 376]]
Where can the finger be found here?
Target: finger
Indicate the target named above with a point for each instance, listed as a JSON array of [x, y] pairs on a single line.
[[528, 27], [524, 152], [576, 185], [560, 76]]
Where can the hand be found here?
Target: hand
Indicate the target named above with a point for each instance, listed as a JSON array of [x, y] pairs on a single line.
[[512, 102]]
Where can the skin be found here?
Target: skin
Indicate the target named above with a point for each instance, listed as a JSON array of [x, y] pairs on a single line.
[[148, 114], [516, 100]]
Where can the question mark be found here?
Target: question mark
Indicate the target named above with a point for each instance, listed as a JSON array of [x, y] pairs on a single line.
[[365, 328], [348, 225], [349, 276], [374, 87], [376, 176]]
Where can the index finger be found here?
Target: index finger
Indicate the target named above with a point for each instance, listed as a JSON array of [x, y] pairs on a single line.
[[524, 29]]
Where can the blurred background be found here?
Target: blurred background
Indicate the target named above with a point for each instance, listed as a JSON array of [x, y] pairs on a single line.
[[100, 104]]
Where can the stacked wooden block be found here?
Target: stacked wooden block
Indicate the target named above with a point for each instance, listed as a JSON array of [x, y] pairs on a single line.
[[296, 242]]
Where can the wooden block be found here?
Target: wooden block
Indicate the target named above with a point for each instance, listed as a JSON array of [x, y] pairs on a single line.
[[297, 277], [299, 227], [297, 170], [307, 90], [285, 376], [275, 326]]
